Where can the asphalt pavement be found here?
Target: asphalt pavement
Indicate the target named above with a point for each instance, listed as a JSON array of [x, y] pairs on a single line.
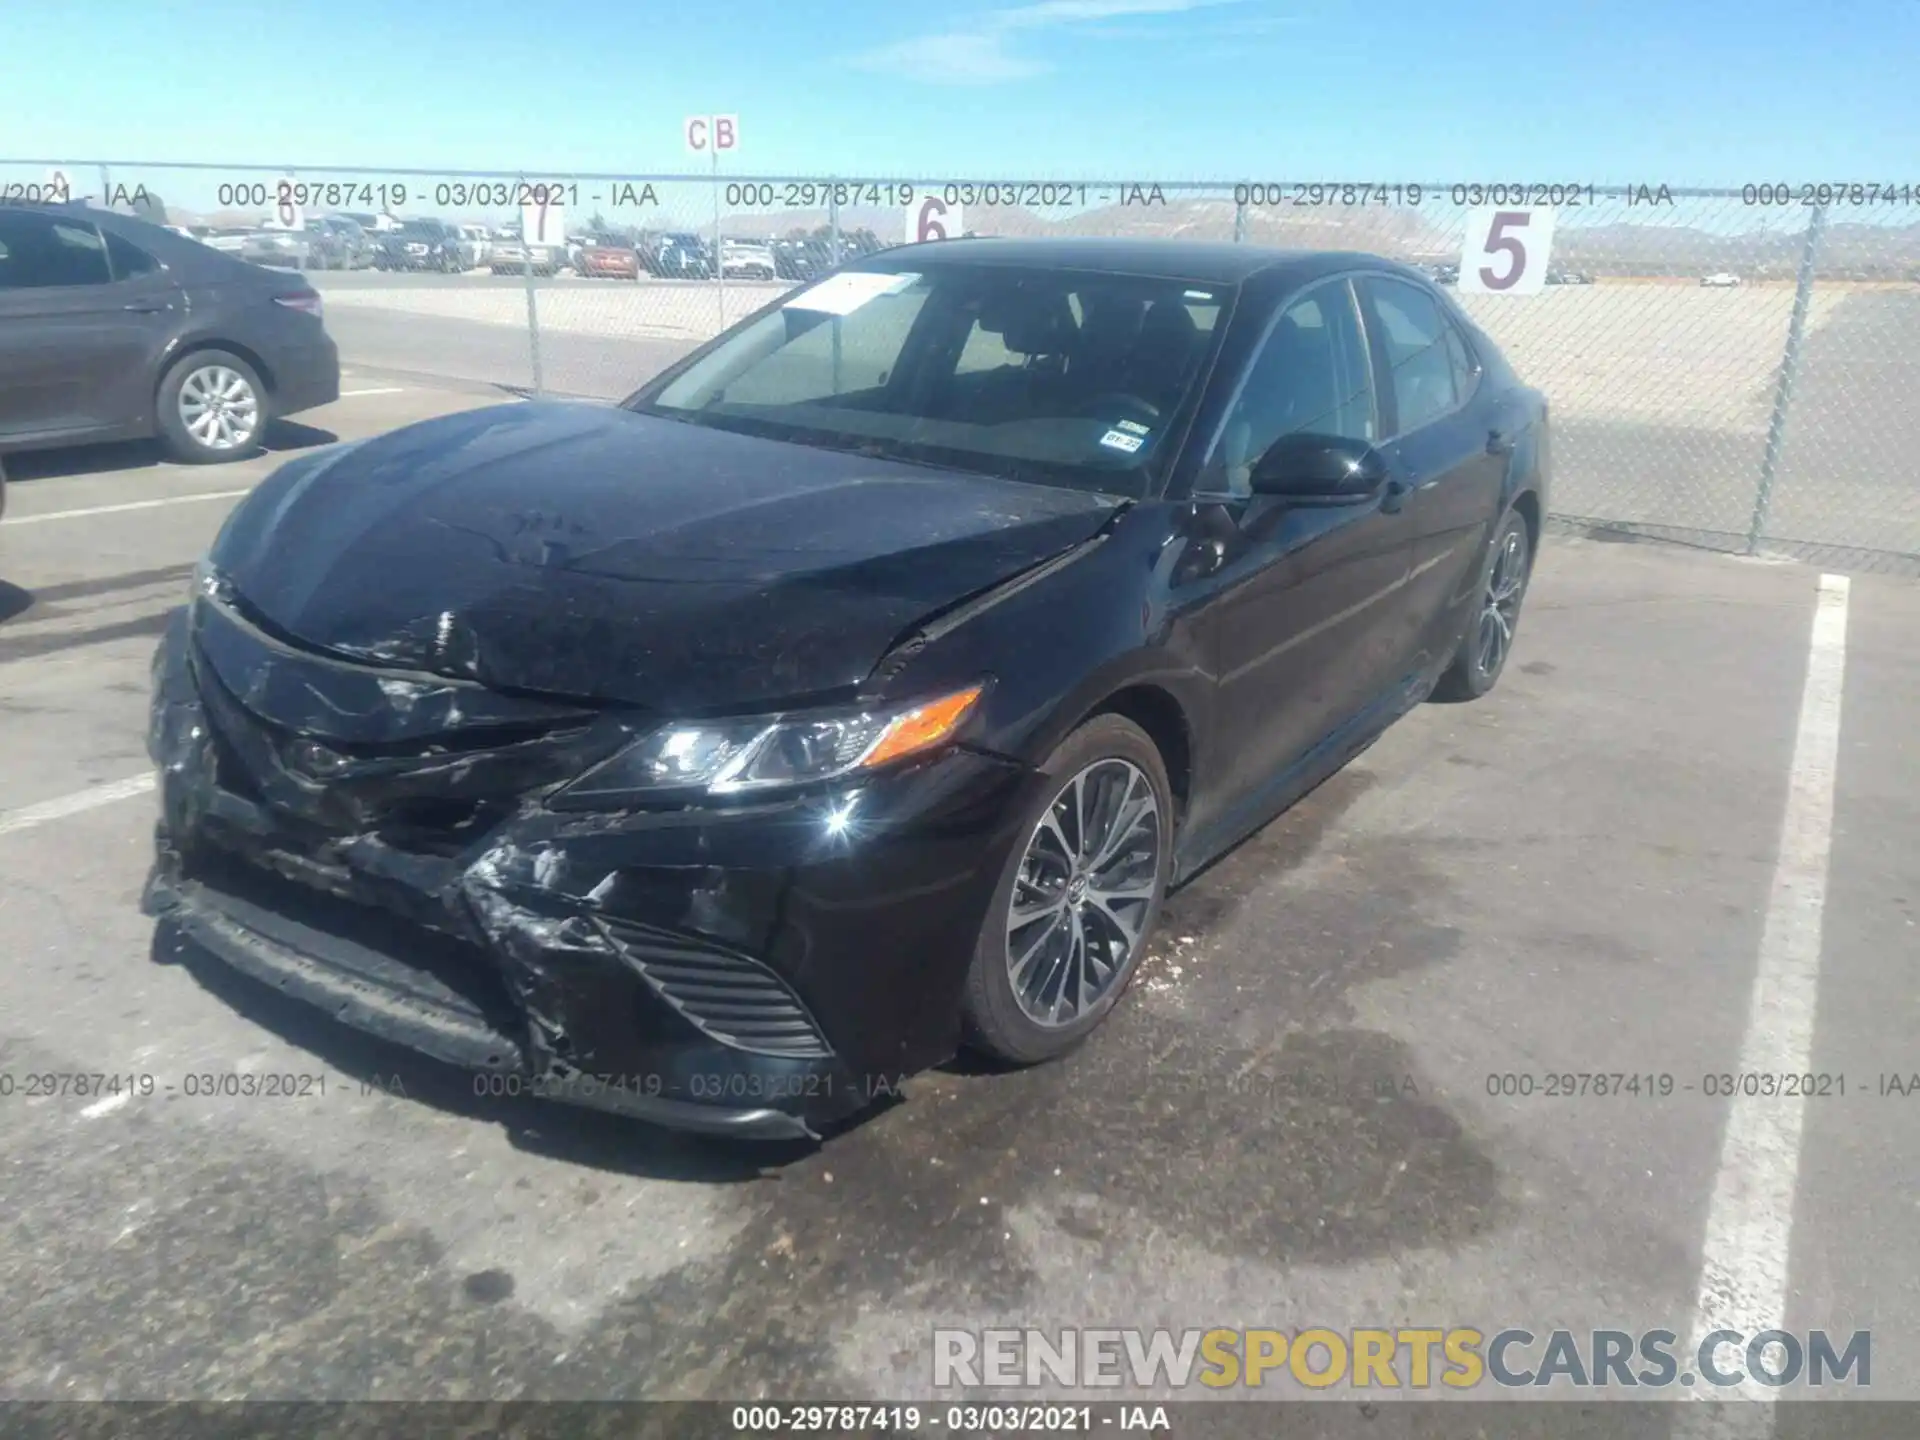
[[1294, 1119]]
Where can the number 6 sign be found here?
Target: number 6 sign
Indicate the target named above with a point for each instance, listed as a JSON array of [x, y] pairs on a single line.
[[931, 218], [1506, 251], [287, 209]]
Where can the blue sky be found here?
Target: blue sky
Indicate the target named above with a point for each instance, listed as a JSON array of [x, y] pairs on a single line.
[[1690, 92]]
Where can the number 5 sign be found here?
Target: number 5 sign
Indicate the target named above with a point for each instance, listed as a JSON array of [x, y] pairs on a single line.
[[1506, 251]]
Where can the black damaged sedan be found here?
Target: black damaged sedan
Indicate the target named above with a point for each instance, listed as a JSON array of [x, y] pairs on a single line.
[[854, 691]]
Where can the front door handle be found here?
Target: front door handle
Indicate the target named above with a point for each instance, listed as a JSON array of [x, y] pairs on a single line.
[[1394, 496], [1499, 442]]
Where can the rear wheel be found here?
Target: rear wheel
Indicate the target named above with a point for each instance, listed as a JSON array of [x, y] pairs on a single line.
[[1489, 638], [1077, 903], [212, 408]]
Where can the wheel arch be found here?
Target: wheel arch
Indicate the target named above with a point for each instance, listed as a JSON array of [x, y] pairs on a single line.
[[1527, 503], [187, 348], [1158, 712]]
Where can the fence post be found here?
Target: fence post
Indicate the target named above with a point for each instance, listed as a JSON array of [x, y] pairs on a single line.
[[533, 302], [1239, 221], [719, 245], [1789, 368]]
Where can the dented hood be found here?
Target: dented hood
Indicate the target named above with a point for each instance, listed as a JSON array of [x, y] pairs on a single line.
[[585, 551]]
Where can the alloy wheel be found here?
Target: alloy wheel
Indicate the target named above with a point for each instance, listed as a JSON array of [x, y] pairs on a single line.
[[1500, 609], [1083, 892], [218, 408]]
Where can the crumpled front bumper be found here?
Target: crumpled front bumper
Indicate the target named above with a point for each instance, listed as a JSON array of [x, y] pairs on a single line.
[[752, 970]]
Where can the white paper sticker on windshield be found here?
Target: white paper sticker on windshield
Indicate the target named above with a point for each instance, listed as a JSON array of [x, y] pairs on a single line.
[[1132, 427], [1120, 440], [845, 293]]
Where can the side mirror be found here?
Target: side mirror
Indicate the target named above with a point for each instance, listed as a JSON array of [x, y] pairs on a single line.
[[1329, 469]]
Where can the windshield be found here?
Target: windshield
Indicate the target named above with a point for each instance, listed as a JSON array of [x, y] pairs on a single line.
[[1059, 377]]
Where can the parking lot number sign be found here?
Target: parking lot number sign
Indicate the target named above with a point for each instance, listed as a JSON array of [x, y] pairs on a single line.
[[288, 212], [543, 218], [711, 134], [1506, 250], [58, 188], [931, 218]]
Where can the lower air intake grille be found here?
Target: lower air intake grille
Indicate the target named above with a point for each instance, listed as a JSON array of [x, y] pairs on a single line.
[[737, 1001]]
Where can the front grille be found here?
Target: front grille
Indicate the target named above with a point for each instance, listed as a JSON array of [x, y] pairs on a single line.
[[728, 997], [435, 794]]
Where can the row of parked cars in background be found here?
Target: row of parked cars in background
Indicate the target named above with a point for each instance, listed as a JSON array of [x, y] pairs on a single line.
[[383, 242], [682, 255], [351, 242]]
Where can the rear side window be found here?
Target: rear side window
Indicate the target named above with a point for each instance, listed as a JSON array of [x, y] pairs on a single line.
[[129, 259], [1412, 335], [41, 251]]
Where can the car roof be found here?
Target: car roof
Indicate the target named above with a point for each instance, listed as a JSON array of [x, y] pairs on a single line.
[[1215, 262]]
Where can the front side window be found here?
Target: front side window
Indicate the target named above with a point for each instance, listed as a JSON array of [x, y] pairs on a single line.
[[43, 251], [1310, 377], [1059, 377], [1412, 334]]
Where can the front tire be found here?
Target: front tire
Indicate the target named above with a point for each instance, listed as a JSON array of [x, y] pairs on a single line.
[[1488, 641], [1078, 899], [212, 408]]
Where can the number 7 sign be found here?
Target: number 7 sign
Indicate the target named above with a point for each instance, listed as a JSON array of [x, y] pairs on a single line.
[[1505, 252]]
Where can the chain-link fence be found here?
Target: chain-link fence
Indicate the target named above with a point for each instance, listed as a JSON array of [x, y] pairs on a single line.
[[1727, 368]]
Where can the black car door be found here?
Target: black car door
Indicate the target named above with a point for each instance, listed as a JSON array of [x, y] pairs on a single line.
[[1304, 618], [1446, 440], [83, 319]]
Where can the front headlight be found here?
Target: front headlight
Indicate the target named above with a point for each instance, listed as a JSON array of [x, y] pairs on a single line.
[[728, 757]]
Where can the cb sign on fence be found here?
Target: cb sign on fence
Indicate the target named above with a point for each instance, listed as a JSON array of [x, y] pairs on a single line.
[[1506, 249], [711, 134], [931, 218]]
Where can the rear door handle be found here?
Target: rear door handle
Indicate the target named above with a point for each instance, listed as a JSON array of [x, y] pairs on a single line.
[[1499, 442]]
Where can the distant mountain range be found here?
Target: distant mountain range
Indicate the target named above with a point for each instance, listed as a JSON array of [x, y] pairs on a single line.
[[1613, 249], [1848, 249]]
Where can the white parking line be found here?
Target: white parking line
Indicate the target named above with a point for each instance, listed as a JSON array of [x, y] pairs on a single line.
[[106, 1106], [117, 509], [1743, 1272], [377, 390], [28, 816]]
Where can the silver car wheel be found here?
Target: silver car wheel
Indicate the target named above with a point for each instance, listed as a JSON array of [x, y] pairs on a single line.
[[218, 407], [1083, 892], [1500, 611]]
